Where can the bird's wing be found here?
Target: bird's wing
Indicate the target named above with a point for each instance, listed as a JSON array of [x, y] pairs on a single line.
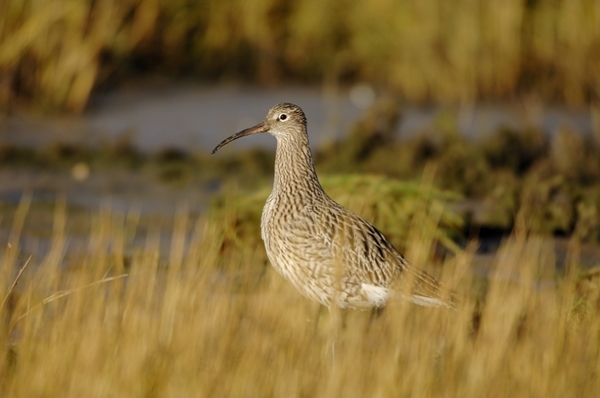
[[373, 258]]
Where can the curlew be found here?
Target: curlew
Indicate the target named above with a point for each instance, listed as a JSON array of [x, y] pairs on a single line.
[[328, 253]]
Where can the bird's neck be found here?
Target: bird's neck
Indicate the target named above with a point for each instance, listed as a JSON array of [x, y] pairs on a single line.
[[294, 168]]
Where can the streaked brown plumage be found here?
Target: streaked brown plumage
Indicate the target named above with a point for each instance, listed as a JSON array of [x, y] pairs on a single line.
[[327, 252]]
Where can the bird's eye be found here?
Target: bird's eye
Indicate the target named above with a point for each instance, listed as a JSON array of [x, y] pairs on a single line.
[[283, 116]]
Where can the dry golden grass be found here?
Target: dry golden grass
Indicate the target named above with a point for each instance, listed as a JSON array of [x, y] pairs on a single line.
[[54, 52], [199, 319]]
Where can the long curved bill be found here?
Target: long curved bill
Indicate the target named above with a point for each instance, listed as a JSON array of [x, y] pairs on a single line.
[[259, 128]]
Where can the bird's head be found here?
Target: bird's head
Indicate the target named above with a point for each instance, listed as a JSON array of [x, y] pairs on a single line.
[[283, 121]]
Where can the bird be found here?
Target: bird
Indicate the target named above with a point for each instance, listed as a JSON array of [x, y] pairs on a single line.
[[328, 253]]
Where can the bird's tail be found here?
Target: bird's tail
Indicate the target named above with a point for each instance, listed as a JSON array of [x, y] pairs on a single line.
[[429, 292]]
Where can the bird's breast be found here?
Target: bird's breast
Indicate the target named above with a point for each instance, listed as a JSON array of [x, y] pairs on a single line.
[[266, 222]]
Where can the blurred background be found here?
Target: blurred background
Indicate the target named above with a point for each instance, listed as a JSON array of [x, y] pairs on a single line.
[[123, 100], [56, 53]]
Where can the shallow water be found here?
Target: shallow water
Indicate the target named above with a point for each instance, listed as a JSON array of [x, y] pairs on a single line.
[[198, 117]]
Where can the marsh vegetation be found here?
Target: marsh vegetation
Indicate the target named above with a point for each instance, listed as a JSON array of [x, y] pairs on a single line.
[[206, 316]]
